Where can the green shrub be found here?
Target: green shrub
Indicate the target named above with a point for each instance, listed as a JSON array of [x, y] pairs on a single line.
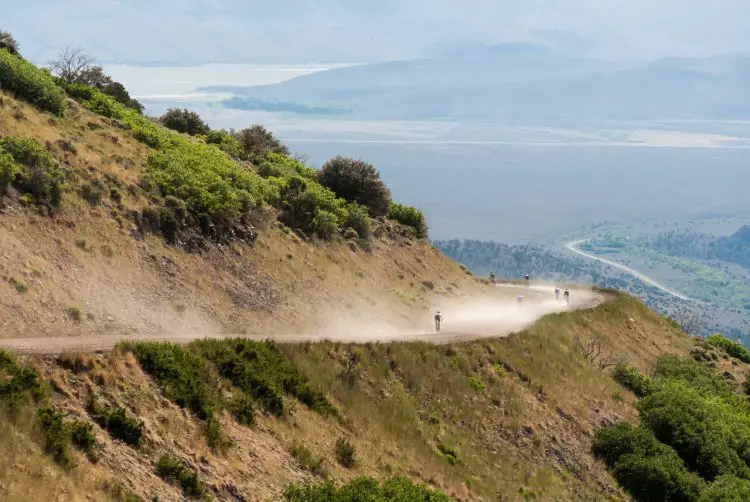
[[396, 489], [56, 435], [303, 200], [184, 121], [74, 312], [325, 224], [8, 171], [116, 421], [631, 378], [18, 383], [688, 370], [356, 181], [476, 383], [39, 174], [173, 470], [658, 478], [225, 141], [734, 349], [709, 434], [242, 409], [82, 435], [409, 216], [648, 469], [345, 454], [307, 460], [183, 376], [262, 371], [92, 192], [8, 43], [727, 489], [358, 219], [280, 166], [29, 83], [257, 141]]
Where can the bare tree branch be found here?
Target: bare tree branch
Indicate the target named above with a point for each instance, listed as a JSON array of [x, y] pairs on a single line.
[[72, 65], [690, 322]]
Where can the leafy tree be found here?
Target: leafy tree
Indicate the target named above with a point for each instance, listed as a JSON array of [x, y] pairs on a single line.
[[256, 141], [356, 181], [9, 43], [184, 121]]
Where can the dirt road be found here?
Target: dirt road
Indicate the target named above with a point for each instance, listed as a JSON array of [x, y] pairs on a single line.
[[471, 320], [573, 246]]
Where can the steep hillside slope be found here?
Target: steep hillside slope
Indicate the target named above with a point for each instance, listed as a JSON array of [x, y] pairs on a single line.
[[508, 419], [94, 258]]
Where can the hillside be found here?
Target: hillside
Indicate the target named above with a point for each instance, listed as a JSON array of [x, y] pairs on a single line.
[[113, 224]]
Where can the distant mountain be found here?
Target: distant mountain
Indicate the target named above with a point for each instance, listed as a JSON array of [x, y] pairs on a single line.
[[526, 83]]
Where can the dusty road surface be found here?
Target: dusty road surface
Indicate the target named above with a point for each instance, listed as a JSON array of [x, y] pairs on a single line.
[[463, 320]]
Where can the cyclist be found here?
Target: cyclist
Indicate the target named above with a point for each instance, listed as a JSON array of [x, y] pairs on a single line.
[[519, 300], [492, 277], [567, 296], [526, 278], [438, 321], [557, 294]]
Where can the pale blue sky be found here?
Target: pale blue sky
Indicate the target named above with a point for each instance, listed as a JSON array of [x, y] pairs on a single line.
[[190, 31]]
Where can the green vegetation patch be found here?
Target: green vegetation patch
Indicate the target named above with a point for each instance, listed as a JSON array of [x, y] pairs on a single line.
[[116, 421], [184, 377], [631, 378], [36, 173], [734, 349], [31, 84], [18, 383], [262, 371], [173, 470], [396, 489], [409, 216]]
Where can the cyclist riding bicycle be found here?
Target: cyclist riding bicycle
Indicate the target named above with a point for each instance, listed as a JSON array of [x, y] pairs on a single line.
[[492, 277], [438, 320], [567, 296], [557, 294]]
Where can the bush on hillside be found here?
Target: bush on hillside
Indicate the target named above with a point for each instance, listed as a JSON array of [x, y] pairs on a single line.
[[184, 121], [116, 421], [727, 489], [409, 216], [225, 141], [29, 83], [631, 378], [356, 181], [183, 376], [18, 383], [302, 202], [56, 435], [358, 219], [648, 469], [262, 371], [709, 434], [8, 171], [9, 43], [396, 489], [39, 174], [173, 470], [697, 375], [281, 166], [345, 454], [734, 349], [256, 141]]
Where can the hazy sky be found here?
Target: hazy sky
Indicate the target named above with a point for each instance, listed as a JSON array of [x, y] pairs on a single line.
[[190, 31]]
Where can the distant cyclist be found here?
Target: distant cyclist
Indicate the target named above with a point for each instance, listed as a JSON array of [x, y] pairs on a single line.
[[557, 294], [519, 300], [526, 278], [438, 321], [567, 296], [492, 277]]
